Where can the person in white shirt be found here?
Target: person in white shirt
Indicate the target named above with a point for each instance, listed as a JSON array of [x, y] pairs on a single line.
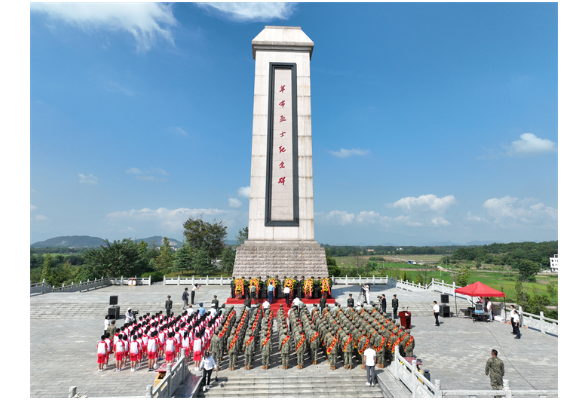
[[207, 365], [511, 319], [265, 305], [287, 295], [213, 311], [436, 312], [190, 309], [489, 308], [195, 287], [367, 293], [369, 360], [106, 323], [516, 322], [296, 301]]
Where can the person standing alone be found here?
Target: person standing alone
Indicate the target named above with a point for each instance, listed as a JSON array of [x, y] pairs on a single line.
[[270, 292], [516, 323], [384, 304], [195, 287], [185, 299], [369, 360], [395, 307], [168, 306], [495, 368], [436, 312], [511, 317]]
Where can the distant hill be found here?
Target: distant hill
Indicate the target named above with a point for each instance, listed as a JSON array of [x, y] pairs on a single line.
[[91, 241], [480, 242], [70, 241], [159, 241]]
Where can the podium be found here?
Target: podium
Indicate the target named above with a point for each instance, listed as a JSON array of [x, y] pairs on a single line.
[[405, 319]]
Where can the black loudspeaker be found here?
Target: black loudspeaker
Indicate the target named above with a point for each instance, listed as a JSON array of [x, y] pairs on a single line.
[[113, 300], [114, 311], [445, 313], [444, 298]]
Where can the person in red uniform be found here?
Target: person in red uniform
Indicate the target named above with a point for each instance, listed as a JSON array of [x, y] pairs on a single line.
[[170, 344], [102, 351]]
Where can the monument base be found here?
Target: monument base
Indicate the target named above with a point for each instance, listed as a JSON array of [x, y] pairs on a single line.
[[263, 258]]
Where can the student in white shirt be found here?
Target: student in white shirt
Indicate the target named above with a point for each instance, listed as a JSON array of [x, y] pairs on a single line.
[[190, 309], [207, 365], [287, 295], [511, 319], [489, 308], [369, 360], [436, 312], [516, 321]]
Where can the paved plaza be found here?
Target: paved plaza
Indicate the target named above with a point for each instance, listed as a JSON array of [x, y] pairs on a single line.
[[65, 328]]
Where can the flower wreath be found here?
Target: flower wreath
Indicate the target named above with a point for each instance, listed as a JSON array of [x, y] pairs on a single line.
[[254, 282], [274, 282], [325, 286], [289, 283], [308, 286], [239, 285]]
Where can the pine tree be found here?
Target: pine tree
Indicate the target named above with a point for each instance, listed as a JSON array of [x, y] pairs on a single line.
[[183, 258], [164, 261], [47, 273]]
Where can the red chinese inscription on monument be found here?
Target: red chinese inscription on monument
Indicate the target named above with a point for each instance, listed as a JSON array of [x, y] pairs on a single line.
[[282, 165], [283, 103], [282, 149], [282, 134], [282, 88], [282, 118], [282, 180]]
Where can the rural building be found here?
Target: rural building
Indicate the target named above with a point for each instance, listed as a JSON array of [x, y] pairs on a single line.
[[553, 263]]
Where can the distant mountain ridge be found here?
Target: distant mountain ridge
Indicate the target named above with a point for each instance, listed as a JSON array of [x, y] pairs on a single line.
[[92, 241]]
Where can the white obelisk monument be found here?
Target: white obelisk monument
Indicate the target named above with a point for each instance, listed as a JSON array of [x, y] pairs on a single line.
[[281, 207]]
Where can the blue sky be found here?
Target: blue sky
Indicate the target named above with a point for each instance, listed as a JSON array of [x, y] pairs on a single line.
[[432, 122]]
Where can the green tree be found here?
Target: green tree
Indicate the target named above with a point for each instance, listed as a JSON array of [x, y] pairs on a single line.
[[116, 259], [242, 236], [183, 258], [47, 273], [519, 290], [211, 236], [164, 262], [463, 276], [201, 261], [527, 270], [552, 290], [228, 260]]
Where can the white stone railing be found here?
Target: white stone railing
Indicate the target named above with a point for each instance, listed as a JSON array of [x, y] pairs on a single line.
[[125, 281], [182, 280], [414, 287], [421, 387], [347, 280], [539, 322], [174, 376], [44, 287]]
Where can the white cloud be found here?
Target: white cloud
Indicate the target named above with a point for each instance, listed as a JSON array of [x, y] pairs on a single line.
[[177, 129], [245, 12], [89, 179], [530, 144], [167, 219], [510, 210], [40, 217], [440, 221], [147, 22], [471, 217], [235, 203], [244, 191], [140, 174], [33, 207], [428, 202], [340, 217], [343, 153]]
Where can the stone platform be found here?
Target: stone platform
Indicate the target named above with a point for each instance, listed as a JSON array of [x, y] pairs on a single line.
[[280, 258]]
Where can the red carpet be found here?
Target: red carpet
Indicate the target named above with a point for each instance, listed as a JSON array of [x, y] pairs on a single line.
[[275, 306]]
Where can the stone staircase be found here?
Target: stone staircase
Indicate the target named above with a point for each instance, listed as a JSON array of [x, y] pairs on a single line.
[[280, 258], [317, 385]]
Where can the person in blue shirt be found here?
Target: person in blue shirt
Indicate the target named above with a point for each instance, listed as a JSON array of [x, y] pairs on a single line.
[[270, 293], [201, 310]]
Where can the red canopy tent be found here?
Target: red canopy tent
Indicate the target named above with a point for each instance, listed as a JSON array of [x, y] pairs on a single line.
[[478, 289]]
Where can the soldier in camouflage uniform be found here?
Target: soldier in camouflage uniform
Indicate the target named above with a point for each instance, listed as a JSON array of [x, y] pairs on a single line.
[[409, 345], [495, 368], [249, 349], [299, 337], [334, 353], [266, 349], [313, 345], [216, 347], [233, 351], [284, 348], [348, 351]]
